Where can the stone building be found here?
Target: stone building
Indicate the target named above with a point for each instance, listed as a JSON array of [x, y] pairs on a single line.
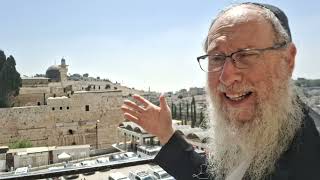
[[65, 120], [27, 157], [41, 156], [193, 91], [35, 81], [35, 90], [3, 152], [54, 111]]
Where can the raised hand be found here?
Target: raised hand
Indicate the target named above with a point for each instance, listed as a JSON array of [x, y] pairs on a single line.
[[154, 119]]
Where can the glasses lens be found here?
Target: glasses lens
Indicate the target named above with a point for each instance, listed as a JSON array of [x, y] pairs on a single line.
[[246, 58], [212, 63], [215, 62], [203, 62]]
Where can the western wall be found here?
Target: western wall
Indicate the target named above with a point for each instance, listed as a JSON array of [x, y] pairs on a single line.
[[57, 111], [65, 120]]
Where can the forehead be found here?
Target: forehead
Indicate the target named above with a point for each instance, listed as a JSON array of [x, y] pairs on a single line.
[[240, 27]]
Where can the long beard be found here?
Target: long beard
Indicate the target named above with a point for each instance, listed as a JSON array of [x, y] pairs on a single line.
[[262, 140]]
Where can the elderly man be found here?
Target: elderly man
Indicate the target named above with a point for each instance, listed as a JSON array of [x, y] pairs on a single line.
[[259, 128]]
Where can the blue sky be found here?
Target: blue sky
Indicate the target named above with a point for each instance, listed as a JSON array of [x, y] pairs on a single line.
[[139, 43]]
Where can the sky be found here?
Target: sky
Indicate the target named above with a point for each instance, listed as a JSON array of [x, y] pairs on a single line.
[[139, 43]]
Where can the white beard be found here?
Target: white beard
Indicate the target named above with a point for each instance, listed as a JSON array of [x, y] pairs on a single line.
[[263, 139]]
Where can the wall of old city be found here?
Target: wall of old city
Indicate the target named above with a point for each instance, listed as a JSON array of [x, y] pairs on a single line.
[[65, 121], [35, 94], [32, 96]]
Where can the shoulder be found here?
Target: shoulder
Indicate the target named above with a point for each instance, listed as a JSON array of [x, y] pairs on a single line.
[[302, 159]]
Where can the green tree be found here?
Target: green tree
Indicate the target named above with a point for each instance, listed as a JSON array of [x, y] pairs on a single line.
[[10, 81], [202, 122], [193, 113], [2, 59], [85, 75], [107, 86], [187, 118], [174, 111], [2, 83], [21, 143], [180, 111]]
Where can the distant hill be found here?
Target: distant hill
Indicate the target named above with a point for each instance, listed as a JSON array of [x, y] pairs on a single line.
[[302, 82]]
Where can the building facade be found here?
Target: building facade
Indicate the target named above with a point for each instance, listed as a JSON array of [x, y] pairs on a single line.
[[65, 120]]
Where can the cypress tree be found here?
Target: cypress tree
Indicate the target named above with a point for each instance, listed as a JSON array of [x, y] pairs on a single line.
[[2, 59], [193, 112], [201, 122], [187, 118], [10, 81], [172, 110], [180, 111]]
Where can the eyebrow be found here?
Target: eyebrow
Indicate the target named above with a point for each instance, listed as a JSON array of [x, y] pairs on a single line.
[[215, 51]]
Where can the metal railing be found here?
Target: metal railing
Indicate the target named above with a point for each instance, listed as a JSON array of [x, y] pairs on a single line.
[[79, 170]]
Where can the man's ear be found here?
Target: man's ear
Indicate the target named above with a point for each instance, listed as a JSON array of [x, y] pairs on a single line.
[[291, 57]]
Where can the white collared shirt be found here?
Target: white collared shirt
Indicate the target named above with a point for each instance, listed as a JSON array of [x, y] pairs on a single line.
[[238, 172]]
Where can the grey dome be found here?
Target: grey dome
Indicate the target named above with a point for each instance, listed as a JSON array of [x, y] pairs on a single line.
[[53, 67], [53, 73]]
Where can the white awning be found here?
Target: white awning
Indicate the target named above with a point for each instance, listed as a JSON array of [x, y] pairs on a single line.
[[64, 156]]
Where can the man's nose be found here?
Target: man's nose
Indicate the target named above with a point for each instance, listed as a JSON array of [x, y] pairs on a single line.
[[230, 73]]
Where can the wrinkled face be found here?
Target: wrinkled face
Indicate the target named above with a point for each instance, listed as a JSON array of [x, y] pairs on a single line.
[[238, 91]]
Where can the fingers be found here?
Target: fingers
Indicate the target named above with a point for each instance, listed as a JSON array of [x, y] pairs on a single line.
[[131, 118], [130, 111], [133, 105], [163, 103], [142, 100]]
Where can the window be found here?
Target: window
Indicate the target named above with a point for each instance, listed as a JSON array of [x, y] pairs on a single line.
[[87, 107], [60, 108], [53, 109], [39, 103], [68, 107]]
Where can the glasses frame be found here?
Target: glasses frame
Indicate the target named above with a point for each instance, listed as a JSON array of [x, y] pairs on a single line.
[[261, 50]]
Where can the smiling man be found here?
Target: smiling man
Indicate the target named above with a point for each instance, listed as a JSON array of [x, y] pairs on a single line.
[[259, 128]]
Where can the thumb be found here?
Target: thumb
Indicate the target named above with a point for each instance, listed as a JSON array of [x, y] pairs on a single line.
[[163, 103]]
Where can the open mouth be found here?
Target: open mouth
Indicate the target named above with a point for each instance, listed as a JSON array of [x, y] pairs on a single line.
[[238, 96]]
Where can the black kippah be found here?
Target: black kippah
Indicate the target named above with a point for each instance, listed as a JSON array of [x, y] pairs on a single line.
[[281, 16]]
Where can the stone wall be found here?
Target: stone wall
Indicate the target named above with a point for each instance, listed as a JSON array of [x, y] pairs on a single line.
[[76, 152], [2, 162], [65, 121], [35, 160], [34, 82], [33, 94]]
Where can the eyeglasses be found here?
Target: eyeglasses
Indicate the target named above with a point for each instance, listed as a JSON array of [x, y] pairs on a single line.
[[242, 59]]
